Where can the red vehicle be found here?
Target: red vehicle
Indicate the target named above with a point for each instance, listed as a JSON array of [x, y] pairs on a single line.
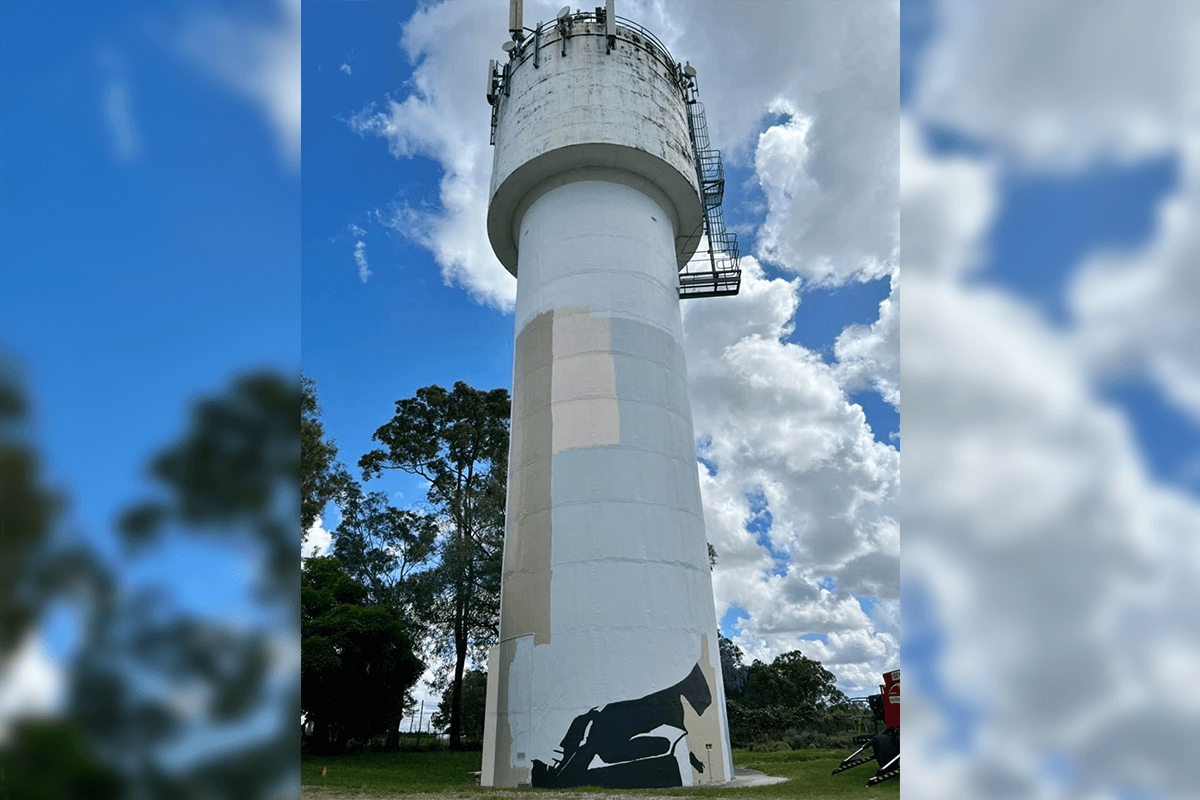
[[885, 746]]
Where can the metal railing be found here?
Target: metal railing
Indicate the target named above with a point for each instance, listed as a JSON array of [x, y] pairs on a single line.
[[715, 271]]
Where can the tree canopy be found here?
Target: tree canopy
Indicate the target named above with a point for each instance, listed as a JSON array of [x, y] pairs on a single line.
[[458, 442], [357, 662], [474, 705], [322, 477], [768, 701]]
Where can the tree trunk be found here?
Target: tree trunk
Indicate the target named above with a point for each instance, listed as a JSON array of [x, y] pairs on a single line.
[[460, 661], [320, 736], [392, 745]]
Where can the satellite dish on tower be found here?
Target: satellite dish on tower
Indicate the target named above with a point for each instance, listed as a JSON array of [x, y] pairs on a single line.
[[507, 46], [689, 70], [565, 10]]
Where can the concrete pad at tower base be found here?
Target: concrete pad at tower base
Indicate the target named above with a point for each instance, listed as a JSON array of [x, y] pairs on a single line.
[[746, 777]]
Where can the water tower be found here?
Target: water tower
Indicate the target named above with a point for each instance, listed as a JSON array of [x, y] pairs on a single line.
[[606, 205]]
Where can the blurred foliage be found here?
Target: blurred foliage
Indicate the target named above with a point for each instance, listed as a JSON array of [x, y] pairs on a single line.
[[27, 510], [235, 472], [474, 707], [49, 762], [322, 477], [357, 662], [148, 677], [458, 442]]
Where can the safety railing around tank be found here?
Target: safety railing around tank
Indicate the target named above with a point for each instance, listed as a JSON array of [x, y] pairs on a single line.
[[558, 32]]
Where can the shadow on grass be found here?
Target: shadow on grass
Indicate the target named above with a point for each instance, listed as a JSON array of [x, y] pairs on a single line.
[[384, 774]]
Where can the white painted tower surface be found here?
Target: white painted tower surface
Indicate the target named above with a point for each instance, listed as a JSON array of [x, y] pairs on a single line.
[[607, 670]]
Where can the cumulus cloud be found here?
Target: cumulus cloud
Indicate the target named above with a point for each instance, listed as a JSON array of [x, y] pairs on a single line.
[[446, 119], [825, 76], [1060, 575], [1136, 311], [869, 355], [782, 436], [946, 206], [360, 258], [257, 60], [1061, 84], [346, 68]]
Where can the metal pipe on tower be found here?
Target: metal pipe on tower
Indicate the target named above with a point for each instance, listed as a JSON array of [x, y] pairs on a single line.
[[607, 671]]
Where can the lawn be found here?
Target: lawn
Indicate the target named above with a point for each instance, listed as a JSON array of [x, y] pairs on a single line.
[[448, 774]]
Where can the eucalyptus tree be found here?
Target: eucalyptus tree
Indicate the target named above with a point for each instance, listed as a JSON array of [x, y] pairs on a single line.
[[457, 441]]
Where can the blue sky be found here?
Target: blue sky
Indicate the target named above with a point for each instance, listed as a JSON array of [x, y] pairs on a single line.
[[150, 214]]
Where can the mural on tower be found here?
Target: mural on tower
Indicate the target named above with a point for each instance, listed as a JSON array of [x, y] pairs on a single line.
[[630, 743]]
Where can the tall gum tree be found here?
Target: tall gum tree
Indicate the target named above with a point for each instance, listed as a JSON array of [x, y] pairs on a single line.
[[457, 441]]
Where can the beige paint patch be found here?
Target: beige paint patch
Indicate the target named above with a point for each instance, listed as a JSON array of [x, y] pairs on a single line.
[[583, 391], [501, 769], [525, 603], [704, 729]]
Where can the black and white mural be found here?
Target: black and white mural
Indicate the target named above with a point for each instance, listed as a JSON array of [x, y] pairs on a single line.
[[631, 743]]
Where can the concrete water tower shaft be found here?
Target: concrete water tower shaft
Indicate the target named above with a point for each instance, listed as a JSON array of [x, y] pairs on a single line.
[[605, 203]]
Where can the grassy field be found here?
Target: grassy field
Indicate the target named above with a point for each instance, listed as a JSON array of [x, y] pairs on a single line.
[[387, 774]]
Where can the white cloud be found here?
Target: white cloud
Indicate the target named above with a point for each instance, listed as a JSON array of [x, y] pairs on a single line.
[[445, 118], [31, 685], [119, 115], [1062, 84], [946, 205], [1136, 311], [346, 68], [317, 541], [779, 425], [869, 355], [259, 61], [118, 106], [356, 231], [360, 258]]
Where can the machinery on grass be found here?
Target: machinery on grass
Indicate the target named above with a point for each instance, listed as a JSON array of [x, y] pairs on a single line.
[[885, 745]]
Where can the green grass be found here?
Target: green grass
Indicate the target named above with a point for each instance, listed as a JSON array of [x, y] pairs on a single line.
[[449, 773], [379, 773]]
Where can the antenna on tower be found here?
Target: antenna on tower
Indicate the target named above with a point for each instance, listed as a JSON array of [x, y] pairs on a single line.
[[516, 13], [491, 82], [610, 25]]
